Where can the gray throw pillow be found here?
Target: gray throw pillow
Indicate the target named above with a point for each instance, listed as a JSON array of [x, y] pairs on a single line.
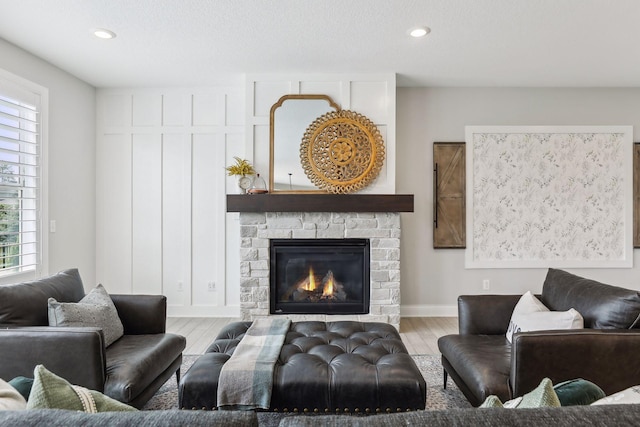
[[95, 309]]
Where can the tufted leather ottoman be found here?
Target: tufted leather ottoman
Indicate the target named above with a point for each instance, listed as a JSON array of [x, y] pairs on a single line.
[[323, 367]]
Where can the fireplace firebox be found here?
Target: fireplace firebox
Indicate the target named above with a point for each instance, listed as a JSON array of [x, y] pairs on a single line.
[[319, 276]]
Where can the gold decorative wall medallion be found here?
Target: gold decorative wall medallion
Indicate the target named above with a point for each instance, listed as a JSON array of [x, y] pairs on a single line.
[[342, 152]]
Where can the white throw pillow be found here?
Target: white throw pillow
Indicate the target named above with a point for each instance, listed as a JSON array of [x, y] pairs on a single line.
[[10, 399], [547, 320], [628, 396], [526, 305]]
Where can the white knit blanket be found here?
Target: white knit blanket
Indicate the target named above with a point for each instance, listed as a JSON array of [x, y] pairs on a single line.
[[246, 379]]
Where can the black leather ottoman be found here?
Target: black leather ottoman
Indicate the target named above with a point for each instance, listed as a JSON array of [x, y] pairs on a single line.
[[323, 367]]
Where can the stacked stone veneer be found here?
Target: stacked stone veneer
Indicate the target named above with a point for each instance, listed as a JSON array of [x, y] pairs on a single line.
[[383, 229]]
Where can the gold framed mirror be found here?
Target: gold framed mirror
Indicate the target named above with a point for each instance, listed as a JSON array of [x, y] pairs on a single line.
[[289, 119]]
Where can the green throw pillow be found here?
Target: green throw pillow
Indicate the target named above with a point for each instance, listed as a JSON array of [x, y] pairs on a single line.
[[541, 397], [492, 402], [23, 385], [578, 392], [49, 391]]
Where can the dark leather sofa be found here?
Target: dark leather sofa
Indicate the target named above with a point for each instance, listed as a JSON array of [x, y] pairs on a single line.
[[481, 361], [130, 370]]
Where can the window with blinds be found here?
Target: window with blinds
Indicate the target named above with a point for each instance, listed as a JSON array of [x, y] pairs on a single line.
[[19, 185]]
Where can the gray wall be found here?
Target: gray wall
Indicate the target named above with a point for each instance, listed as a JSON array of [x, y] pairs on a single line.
[[71, 147], [432, 279]]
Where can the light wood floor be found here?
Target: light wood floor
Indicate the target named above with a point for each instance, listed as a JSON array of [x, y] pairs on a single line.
[[419, 334]]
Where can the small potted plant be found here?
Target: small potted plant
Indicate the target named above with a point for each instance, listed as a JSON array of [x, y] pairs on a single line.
[[243, 170]]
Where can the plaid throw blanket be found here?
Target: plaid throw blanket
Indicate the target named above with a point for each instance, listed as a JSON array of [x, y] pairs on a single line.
[[246, 378]]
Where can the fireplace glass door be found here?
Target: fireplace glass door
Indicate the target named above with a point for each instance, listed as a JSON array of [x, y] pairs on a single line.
[[319, 276]]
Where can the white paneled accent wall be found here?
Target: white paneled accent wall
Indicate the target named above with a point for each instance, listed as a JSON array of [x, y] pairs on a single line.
[[373, 95], [161, 221], [161, 187]]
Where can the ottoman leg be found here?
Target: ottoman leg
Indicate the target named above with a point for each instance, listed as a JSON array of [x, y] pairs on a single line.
[[446, 376]]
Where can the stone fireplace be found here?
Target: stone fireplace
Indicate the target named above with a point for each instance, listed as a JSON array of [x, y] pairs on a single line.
[[371, 218], [381, 228]]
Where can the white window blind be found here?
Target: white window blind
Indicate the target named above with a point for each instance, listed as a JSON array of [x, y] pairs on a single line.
[[20, 182]]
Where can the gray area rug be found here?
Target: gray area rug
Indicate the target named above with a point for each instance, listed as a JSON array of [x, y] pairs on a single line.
[[429, 365]]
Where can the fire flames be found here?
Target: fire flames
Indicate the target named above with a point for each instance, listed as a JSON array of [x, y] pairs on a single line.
[[316, 288], [310, 284], [327, 290]]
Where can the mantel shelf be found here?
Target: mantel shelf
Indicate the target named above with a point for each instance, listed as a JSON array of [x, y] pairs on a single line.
[[320, 203]]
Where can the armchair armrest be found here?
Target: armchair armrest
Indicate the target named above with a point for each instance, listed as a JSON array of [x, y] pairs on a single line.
[[142, 314], [606, 357], [485, 314], [75, 354]]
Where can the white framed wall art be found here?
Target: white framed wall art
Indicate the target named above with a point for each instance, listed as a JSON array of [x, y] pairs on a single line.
[[549, 196]]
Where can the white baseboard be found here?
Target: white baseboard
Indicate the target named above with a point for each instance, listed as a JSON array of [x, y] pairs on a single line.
[[424, 310]]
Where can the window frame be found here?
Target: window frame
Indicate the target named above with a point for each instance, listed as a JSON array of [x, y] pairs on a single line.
[[16, 87]]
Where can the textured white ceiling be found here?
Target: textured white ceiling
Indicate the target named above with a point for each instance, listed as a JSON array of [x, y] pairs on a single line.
[[202, 42]]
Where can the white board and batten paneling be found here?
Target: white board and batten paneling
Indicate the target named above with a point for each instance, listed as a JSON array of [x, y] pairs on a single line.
[[162, 226], [161, 186], [373, 95]]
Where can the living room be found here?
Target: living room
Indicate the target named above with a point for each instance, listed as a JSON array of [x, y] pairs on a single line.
[[432, 278], [483, 63]]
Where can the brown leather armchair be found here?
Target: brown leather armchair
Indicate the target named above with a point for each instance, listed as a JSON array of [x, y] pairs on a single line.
[[482, 362], [130, 370]]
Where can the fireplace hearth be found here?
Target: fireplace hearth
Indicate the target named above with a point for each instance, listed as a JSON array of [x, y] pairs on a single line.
[[319, 276]]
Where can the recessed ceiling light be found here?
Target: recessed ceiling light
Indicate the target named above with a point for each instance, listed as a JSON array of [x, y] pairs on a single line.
[[418, 32], [104, 33]]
